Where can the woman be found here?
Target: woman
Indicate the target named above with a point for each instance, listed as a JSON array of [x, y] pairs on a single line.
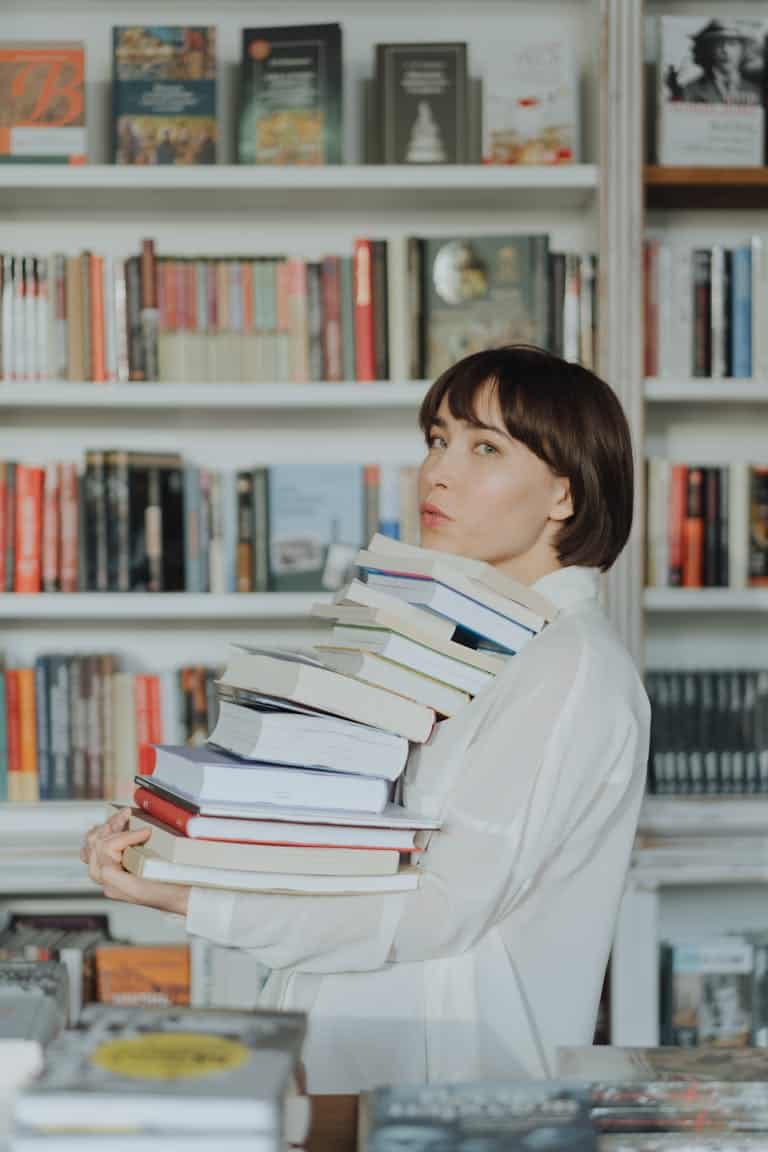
[[499, 956]]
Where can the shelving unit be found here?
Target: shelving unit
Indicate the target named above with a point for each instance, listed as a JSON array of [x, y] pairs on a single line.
[[711, 600], [698, 391], [159, 606], [63, 394]]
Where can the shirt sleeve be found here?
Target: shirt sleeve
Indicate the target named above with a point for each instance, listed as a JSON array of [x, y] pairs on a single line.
[[543, 774]]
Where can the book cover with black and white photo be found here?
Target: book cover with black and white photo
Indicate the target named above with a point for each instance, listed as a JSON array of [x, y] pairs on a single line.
[[422, 96], [710, 91]]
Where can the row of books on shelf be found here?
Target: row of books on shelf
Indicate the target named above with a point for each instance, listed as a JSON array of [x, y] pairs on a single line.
[[709, 731], [714, 992], [423, 107], [195, 319], [705, 309], [706, 527], [142, 521], [71, 726], [328, 729]]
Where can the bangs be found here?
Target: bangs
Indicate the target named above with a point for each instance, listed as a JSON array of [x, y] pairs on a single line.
[[525, 406]]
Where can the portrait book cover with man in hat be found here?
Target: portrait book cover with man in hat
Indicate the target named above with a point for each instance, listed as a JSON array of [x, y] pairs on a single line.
[[710, 91]]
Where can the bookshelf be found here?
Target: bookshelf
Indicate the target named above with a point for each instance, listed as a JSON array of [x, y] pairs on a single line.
[[64, 394], [159, 606], [712, 422]]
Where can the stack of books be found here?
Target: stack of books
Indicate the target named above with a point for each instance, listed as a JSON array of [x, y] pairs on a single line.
[[294, 790], [34, 999], [170, 1078]]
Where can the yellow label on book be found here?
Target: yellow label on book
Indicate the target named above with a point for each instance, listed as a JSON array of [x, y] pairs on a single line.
[[170, 1056]]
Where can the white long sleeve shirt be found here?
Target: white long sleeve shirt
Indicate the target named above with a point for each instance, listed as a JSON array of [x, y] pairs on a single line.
[[499, 955]]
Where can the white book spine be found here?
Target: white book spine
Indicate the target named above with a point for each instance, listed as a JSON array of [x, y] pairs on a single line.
[[717, 312], [664, 309], [759, 308], [571, 308], [121, 323], [30, 318], [682, 312], [8, 363], [42, 311], [19, 321], [110, 319]]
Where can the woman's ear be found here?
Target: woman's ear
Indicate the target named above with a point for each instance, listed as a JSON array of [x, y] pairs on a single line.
[[562, 502]]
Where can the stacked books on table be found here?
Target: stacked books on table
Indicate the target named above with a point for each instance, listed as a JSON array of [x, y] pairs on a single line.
[[294, 789], [172, 1078]]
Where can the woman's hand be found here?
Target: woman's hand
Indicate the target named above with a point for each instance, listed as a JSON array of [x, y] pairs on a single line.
[[102, 851]]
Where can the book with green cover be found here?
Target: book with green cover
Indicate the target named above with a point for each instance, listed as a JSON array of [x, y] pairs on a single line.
[[290, 95]]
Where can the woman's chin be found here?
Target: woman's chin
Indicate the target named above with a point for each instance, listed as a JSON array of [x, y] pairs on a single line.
[[439, 538]]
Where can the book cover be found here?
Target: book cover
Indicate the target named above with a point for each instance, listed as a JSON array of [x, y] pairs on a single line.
[[133, 974], [478, 1116], [710, 91], [42, 103], [758, 526], [423, 103], [291, 95], [164, 95], [711, 993], [316, 521], [531, 113], [482, 292]]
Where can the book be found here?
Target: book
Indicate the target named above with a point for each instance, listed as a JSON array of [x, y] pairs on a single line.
[[177, 1068], [291, 95], [628, 1065], [390, 816], [42, 97], [309, 741], [316, 518], [710, 91], [478, 292], [757, 560], [295, 679], [142, 974], [164, 95], [509, 626], [383, 673], [34, 1000], [484, 1114], [364, 595], [707, 990], [531, 106], [202, 773], [172, 846], [141, 862], [278, 831], [422, 97]]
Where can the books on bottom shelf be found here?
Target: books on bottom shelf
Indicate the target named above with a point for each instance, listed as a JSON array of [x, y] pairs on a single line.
[[168, 1077]]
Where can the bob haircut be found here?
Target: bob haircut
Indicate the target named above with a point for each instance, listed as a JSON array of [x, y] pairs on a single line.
[[570, 419]]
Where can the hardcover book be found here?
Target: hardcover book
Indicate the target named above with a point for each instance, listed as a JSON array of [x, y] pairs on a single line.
[[423, 103], [477, 292], [316, 518], [164, 95], [531, 113], [291, 95], [710, 91], [42, 103]]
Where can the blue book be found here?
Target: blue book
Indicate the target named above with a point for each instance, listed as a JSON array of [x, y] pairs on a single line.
[[316, 525], [192, 567], [741, 313], [43, 724], [164, 95], [228, 491], [3, 741], [60, 727]]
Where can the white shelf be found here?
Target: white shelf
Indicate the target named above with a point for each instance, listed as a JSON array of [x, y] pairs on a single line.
[[61, 394], [706, 599], [340, 187], [685, 874], [704, 815], [159, 606], [698, 391], [40, 846]]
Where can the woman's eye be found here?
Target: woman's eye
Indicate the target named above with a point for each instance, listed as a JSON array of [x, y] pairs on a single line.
[[486, 449], [436, 441]]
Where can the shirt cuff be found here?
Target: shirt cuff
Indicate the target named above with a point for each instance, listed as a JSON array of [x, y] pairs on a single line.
[[210, 914]]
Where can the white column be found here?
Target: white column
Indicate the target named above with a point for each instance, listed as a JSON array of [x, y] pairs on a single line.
[[620, 299]]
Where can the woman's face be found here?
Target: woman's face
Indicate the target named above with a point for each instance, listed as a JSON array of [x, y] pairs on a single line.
[[485, 495]]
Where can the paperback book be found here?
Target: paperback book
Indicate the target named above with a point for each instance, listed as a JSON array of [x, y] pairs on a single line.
[[422, 95], [42, 103]]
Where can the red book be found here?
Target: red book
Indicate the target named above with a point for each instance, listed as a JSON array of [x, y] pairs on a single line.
[[365, 335], [29, 528], [147, 760], [98, 335], [155, 710], [678, 496], [143, 705], [68, 528], [163, 810], [13, 728], [247, 271], [693, 531]]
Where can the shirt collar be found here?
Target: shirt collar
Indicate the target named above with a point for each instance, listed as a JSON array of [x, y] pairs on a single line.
[[568, 586]]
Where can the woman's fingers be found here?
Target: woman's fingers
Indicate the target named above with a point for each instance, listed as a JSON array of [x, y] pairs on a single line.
[[114, 846], [119, 820]]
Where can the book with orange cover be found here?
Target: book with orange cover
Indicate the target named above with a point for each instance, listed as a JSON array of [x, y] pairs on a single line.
[[29, 528], [98, 342], [693, 531], [13, 729], [142, 974], [28, 791], [42, 103], [365, 334]]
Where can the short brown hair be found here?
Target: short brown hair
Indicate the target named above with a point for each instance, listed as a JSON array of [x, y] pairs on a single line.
[[570, 419]]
